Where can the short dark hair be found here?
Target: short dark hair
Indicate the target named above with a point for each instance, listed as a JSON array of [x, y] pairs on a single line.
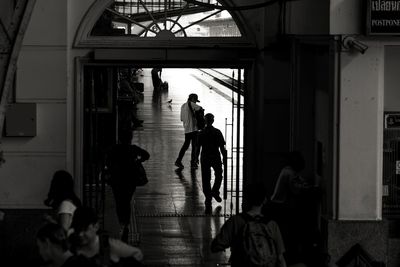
[[83, 217], [209, 118], [61, 188], [55, 234], [296, 160], [125, 136]]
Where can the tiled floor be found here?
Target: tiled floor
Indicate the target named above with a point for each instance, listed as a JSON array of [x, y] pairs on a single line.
[[169, 211]]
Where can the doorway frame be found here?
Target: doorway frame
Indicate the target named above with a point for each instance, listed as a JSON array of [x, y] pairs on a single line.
[[147, 58]]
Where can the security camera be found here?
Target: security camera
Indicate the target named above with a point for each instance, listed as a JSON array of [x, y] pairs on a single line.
[[351, 43]]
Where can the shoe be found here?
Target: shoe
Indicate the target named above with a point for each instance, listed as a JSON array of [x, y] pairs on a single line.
[[217, 197], [179, 164]]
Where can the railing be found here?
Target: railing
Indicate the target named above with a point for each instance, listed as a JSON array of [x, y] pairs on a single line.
[[135, 7], [359, 257]]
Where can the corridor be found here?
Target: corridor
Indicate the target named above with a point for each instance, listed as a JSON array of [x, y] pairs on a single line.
[[169, 221]]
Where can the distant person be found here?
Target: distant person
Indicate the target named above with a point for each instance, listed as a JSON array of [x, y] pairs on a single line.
[[53, 246], [156, 78], [128, 98], [97, 246], [254, 239], [121, 167], [62, 198], [191, 131], [212, 146]]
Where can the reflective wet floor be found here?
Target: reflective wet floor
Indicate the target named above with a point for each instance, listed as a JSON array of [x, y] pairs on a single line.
[[169, 222]]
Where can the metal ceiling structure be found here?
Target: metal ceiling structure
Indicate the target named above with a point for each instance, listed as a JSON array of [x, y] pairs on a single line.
[[167, 18]]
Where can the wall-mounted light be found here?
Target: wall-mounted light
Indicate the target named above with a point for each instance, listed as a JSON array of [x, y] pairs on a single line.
[[350, 43]]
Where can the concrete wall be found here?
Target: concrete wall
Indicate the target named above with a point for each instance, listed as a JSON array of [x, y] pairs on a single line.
[[346, 16], [311, 17], [308, 17], [41, 79], [6, 12], [392, 78], [361, 133]]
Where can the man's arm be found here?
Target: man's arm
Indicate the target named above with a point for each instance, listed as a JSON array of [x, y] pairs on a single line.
[[224, 153], [281, 260], [224, 238], [120, 250], [143, 154], [222, 147]]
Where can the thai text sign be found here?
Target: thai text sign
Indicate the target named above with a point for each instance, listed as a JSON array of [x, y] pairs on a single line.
[[383, 17]]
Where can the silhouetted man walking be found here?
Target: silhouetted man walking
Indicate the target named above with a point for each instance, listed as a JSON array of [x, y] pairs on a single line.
[[211, 143]]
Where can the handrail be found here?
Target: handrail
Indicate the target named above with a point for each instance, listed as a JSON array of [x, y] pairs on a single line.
[[360, 257]]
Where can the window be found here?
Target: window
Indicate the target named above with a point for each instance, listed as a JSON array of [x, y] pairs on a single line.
[[164, 19]]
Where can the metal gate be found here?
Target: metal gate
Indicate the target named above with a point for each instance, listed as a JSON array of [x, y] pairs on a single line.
[[233, 172], [99, 128]]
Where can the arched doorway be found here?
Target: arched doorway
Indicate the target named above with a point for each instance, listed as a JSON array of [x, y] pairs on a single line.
[[146, 34]]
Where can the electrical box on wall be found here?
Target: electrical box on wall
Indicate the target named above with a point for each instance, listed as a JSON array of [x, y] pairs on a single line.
[[20, 120]]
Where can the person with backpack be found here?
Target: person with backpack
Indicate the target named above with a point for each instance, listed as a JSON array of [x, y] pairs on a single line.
[[192, 116], [122, 167], [255, 240], [101, 250]]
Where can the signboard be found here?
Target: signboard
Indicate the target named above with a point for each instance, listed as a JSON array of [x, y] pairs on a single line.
[[383, 17], [392, 120]]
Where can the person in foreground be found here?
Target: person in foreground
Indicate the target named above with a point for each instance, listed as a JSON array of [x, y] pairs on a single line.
[[62, 199], [99, 248], [53, 246], [254, 239]]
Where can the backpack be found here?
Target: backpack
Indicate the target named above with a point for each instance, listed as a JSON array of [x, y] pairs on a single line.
[[198, 116], [257, 245]]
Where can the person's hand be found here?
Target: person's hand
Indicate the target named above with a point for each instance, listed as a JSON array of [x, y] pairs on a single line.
[[138, 254], [48, 218]]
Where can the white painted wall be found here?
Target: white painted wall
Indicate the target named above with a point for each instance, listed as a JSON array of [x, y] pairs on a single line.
[[346, 16], [325, 17], [361, 133], [41, 79]]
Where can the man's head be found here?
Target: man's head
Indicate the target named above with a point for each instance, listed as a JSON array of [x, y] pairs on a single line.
[[296, 160], [194, 98], [85, 225], [125, 137], [209, 118], [255, 195], [51, 240]]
